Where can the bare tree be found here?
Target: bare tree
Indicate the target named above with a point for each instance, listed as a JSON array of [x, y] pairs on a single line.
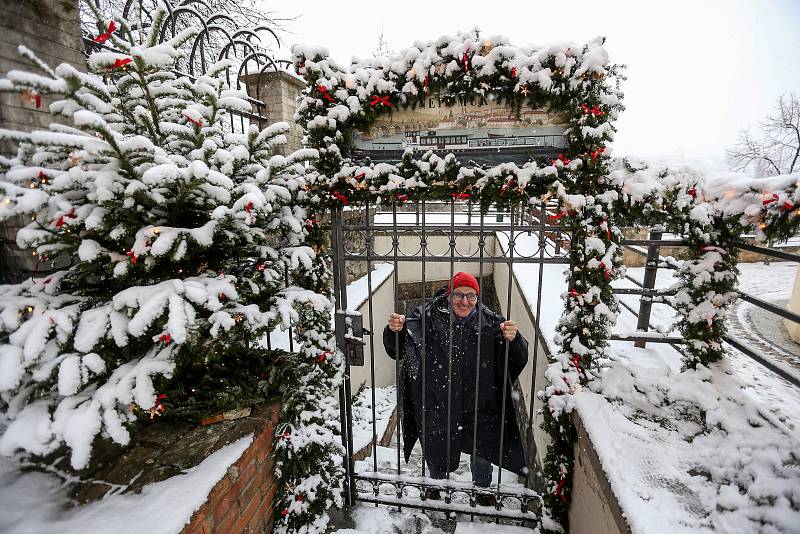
[[775, 149]]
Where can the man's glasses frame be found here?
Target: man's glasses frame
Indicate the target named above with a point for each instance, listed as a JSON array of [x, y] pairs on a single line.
[[458, 296]]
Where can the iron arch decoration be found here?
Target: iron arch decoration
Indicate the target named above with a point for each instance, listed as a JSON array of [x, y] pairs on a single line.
[[577, 83], [218, 39]]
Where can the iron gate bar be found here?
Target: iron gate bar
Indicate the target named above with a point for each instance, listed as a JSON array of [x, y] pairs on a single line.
[[481, 247], [520, 515], [340, 300], [396, 308], [505, 363], [650, 337], [648, 282], [451, 311], [423, 250], [463, 229], [644, 292], [536, 341], [789, 256], [371, 345], [788, 374], [460, 485], [465, 259]]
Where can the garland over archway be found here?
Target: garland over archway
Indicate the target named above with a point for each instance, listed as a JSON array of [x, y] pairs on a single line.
[[577, 81]]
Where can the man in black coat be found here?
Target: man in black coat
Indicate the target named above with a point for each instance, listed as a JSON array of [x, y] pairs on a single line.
[[472, 324]]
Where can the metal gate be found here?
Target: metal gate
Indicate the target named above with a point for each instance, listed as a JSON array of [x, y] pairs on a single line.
[[425, 244]]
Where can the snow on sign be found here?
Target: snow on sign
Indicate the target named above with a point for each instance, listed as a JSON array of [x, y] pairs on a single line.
[[478, 129]]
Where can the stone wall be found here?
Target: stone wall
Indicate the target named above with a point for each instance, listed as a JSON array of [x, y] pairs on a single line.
[[51, 29], [279, 92]]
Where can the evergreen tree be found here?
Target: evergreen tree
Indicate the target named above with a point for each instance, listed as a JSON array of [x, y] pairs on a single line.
[[175, 237]]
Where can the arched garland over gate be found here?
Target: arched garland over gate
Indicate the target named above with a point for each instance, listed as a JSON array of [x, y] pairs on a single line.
[[575, 80]]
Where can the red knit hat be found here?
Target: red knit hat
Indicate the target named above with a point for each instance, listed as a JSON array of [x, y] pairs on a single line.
[[464, 280]]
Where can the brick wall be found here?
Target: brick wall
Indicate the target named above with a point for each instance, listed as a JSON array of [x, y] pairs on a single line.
[[242, 501]]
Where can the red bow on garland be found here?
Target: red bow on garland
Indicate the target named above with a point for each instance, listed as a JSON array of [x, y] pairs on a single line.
[[559, 491], [132, 255], [559, 215], [596, 153], [28, 95], [248, 208], [166, 339], [311, 222], [103, 37], [338, 196], [196, 122], [506, 186], [771, 200], [359, 176], [324, 355], [120, 63], [425, 85], [605, 269], [376, 100], [562, 158], [325, 94], [576, 362], [261, 266], [591, 111], [692, 192], [402, 198], [513, 72], [61, 220], [462, 196], [787, 206], [608, 228]]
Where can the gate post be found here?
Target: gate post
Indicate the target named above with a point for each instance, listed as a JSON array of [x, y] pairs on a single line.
[[649, 283], [340, 308]]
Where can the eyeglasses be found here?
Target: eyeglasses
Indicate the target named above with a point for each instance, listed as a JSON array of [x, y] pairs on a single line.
[[457, 296]]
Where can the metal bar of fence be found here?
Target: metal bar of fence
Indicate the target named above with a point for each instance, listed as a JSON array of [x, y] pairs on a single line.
[[645, 292], [649, 337], [649, 282], [788, 374], [481, 247], [464, 509], [658, 242], [772, 252], [463, 229], [764, 305]]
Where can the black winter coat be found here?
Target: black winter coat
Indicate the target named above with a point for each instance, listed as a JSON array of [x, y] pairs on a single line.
[[462, 388]]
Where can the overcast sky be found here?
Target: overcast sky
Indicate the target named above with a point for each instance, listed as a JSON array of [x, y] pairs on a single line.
[[698, 71]]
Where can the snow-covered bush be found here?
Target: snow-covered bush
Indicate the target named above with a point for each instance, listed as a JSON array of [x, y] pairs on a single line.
[[176, 235]]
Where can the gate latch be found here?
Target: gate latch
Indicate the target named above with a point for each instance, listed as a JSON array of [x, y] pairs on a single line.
[[352, 324]]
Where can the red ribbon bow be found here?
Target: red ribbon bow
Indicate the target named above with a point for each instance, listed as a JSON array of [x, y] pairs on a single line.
[[311, 222], [574, 293], [692, 192], [261, 266], [513, 72], [324, 355], [359, 176], [249, 207], [465, 61], [507, 185], [608, 228], [103, 37], [771, 200], [461, 195], [132, 255], [61, 220], [425, 84], [338, 196], [119, 63], [576, 362], [380, 100], [787, 206], [596, 153], [166, 339], [401, 198], [562, 158], [285, 512], [591, 111], [557, 216], [196, 122], [325, 94], [559, 491]]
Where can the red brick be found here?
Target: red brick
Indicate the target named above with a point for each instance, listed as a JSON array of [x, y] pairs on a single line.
[[261, 516], [218, 490], [246, 474], [249, 492], [224, 505], [245, 516], [225, 524]]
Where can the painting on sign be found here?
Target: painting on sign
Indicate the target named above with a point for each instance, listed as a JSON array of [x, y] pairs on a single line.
[[483, 132]]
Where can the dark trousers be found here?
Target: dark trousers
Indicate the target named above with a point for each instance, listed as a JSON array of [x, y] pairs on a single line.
[[481, 471]]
